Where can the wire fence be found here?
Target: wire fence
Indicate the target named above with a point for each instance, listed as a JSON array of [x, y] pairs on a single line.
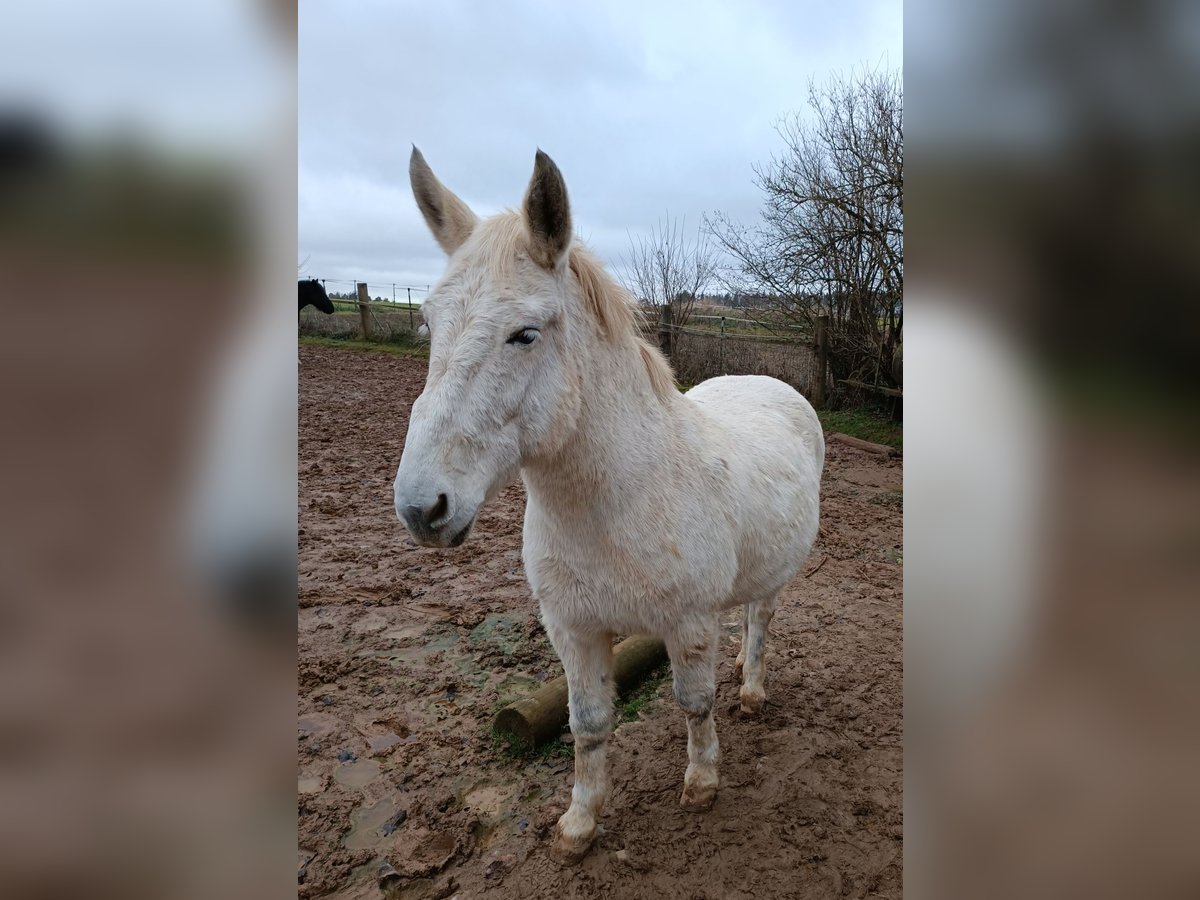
[[387, 321], [346, 289], [392, 312], [708, 346], [700, 353]]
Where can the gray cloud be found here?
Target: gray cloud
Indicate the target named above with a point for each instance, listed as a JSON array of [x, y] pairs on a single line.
[[647, 108]]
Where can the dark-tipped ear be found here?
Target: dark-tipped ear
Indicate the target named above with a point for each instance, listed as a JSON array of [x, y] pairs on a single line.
[[547, 213], [450, 220]]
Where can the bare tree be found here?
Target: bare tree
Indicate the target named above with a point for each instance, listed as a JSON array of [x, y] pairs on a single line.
[[831, 236], [664, 269]]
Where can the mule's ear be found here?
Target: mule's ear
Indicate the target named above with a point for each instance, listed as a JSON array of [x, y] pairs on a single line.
[[547, 213], [450, 220]]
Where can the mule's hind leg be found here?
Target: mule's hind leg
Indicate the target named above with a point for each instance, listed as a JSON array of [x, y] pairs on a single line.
[[587, 661], [741, 657], [693, 652], [758, 619]]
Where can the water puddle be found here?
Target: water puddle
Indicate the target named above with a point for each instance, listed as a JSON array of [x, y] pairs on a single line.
[[316, 724], [367, 824], [381, 742], [440, 638], [357, 774]]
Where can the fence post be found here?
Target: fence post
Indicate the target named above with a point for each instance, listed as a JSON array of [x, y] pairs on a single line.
[[723, 372], [665, 336], [822, 361], [364, 311]]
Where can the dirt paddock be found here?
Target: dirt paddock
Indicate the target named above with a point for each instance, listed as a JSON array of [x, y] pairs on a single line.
[[405, 654]]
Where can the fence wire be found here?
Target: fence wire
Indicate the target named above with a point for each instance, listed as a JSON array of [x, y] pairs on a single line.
[[697, 354], [389, 322]]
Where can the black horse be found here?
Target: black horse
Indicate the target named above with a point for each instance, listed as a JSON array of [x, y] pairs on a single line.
[[312, 293]]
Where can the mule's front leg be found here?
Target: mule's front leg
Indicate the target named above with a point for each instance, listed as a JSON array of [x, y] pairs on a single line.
[[587, 660], [693, 653]]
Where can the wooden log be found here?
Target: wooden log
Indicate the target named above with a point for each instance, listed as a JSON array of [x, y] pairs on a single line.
[[870, 447], [542, 716], [883, 389]]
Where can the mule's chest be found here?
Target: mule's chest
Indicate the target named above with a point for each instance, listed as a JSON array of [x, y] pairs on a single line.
[[624, 587]]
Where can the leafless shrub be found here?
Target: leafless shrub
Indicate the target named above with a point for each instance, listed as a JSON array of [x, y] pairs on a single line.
[[664, 268], [831, 236]]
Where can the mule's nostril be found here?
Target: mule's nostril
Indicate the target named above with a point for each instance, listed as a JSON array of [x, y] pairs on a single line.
[[423, 519], [439, 508]]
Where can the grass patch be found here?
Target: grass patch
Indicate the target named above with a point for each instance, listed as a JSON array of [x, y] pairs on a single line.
[[863, 424], [631, 704], [513, 747], [397, 347]]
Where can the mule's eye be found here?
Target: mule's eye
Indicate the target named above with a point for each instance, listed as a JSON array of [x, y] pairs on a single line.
[[523, 336]]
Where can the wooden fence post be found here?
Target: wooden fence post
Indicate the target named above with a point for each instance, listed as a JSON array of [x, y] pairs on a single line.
[[723, 372], [364, 311], [822, 362], [665, 335], [411, 327]]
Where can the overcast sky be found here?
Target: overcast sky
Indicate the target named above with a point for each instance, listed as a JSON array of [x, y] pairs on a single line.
[[647, 107]]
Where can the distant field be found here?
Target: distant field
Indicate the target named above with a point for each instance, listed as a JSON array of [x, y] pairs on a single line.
[[352, 305]]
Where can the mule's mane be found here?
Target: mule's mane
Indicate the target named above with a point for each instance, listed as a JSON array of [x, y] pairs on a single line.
[[617, 314], [612, 307]]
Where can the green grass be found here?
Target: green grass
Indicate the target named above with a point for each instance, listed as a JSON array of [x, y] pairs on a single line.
[[397, 348], [513, 747], [863, 424], [630, 705]]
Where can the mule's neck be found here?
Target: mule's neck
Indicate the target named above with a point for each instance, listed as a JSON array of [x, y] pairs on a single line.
[[625, 445]]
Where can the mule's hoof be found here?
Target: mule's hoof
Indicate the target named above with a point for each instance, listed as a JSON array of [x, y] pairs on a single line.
[[569, 851], [698, 797], [752, 700]]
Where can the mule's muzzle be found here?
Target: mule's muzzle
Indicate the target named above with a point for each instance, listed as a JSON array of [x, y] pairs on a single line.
[[435, 525], [426, 519]]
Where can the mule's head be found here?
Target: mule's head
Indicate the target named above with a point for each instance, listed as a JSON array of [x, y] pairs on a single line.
[[503, 383]]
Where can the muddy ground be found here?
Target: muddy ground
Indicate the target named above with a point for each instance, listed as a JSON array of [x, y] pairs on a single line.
[[405, 654]]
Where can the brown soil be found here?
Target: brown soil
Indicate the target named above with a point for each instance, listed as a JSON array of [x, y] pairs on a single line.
[[405, 654]]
